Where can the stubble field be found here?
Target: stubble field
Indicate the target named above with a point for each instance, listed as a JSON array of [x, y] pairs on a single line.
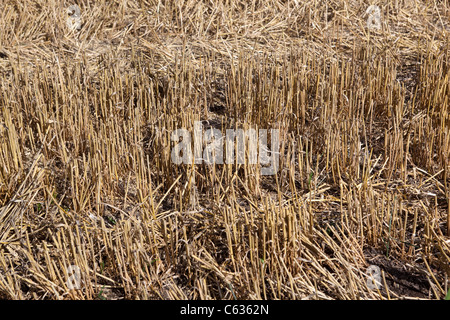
[[93, 205]]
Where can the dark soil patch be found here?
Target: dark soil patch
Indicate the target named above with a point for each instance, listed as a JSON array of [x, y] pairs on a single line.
[[402, 278]]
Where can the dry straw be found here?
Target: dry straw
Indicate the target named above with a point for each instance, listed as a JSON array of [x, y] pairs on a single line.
[[86, 176]]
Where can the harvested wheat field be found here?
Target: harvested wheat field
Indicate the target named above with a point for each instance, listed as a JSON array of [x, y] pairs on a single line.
[[210, 149]]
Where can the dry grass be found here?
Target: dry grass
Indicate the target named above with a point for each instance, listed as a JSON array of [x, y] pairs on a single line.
[[86, 176]]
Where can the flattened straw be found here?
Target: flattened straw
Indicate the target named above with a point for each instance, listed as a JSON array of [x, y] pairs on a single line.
[[13, 211]]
